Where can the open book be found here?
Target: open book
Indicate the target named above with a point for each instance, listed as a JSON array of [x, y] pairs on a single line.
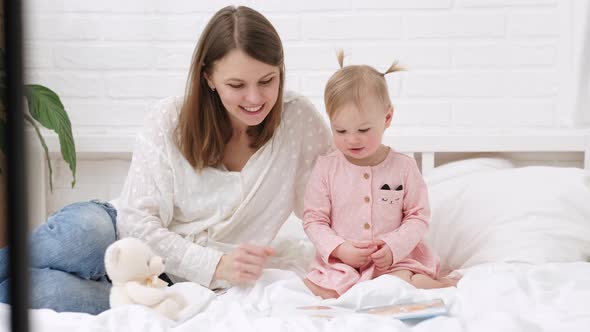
[[411, 310], [424, 309]]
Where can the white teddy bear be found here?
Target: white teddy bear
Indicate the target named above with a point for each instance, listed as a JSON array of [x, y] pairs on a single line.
[[134, 269]]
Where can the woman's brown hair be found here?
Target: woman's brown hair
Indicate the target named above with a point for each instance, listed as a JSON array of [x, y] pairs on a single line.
[[204, 126]]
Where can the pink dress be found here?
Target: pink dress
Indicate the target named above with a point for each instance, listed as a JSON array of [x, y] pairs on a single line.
[[388, 201]]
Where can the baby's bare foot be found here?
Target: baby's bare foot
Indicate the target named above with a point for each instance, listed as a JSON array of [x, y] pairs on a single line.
[[320, 291], [450, 280]]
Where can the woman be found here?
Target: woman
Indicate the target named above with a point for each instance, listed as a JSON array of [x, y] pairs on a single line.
[[214, 175], [229, 163]]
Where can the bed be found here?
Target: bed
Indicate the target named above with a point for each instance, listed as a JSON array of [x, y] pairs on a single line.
[[520, 236]]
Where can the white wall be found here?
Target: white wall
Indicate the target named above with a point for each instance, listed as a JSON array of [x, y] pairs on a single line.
[[581, 84], [472, 63]]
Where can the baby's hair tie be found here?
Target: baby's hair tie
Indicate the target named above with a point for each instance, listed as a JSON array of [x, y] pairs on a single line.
[[340, 57], [393, 68]]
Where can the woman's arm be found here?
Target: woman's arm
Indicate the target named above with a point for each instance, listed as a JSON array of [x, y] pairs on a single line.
[[146, 204]]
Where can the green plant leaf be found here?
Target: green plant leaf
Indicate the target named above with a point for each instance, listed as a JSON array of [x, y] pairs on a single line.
[[34, 124], [46, 107]]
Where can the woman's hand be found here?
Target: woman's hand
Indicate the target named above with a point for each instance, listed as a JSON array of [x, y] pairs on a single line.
[[355, 254], [383, 257], [243, 265]]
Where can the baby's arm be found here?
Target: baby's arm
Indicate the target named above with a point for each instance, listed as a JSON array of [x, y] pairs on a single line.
[[316, 214], [416, 215]]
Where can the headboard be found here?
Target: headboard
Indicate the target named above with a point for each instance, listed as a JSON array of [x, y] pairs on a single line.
[[429, 146], [426, 143]]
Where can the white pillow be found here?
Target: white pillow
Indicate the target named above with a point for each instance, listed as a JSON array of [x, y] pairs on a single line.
[[529, 214], [458, 168]]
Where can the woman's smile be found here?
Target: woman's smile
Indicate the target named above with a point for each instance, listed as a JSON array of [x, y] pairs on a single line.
[[252, 110]]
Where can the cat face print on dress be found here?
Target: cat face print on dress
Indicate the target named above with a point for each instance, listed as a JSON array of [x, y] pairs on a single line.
[[389, 196]]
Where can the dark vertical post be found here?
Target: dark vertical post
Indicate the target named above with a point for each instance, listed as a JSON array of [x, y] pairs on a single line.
[[15, 167]]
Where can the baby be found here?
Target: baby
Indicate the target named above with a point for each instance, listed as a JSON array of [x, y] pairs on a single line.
[[366, 205]]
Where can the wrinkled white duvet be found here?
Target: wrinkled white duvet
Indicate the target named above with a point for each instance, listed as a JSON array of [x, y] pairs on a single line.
[[492, 297]]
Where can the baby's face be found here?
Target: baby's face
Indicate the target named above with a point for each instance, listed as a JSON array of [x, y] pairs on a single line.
[[358, 132]]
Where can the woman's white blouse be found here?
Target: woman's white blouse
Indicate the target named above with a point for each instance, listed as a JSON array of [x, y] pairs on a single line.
[[192, 218]]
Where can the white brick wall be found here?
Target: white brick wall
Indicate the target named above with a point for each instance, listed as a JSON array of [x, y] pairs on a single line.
[[471, 63], [100, 179]]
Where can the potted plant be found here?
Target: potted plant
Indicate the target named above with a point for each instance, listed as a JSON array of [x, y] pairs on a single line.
[[44, 108]]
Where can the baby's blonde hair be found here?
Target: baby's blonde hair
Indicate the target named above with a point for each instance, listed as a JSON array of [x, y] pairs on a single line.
[[352, 83]]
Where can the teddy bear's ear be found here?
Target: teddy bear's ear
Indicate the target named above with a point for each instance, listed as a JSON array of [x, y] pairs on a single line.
[[112, 255]]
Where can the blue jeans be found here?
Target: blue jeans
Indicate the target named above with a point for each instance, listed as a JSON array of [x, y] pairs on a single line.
[[67, 259]]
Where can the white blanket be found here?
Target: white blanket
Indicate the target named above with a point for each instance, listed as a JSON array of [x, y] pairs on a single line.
[[490, 297], [493, 297]]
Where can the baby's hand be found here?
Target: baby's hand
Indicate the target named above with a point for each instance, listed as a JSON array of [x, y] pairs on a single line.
[[383, 257], [355, 254]]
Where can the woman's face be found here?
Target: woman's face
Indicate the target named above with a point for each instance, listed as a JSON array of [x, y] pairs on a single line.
[[247, 87]]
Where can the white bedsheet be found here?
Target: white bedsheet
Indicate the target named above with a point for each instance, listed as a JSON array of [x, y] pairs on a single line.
[[491, 297]]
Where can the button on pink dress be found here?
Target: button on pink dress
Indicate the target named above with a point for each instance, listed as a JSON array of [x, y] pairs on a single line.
[[388, 201]]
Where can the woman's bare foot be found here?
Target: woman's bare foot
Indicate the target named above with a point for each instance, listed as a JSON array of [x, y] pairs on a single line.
[[320, 291]]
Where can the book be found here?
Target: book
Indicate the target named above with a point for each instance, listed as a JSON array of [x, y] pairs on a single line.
[[401, 311], [415, 310]]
